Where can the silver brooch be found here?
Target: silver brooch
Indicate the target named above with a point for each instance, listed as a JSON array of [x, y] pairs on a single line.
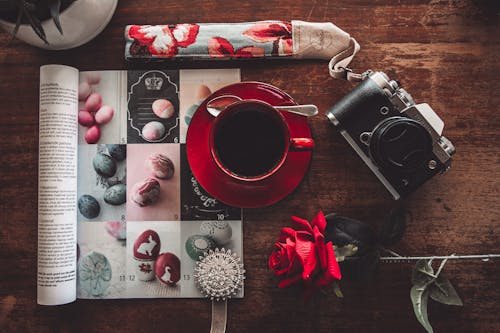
[[219, 274]]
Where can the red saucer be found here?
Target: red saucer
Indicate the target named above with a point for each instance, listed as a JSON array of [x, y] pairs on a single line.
[[235, 192]]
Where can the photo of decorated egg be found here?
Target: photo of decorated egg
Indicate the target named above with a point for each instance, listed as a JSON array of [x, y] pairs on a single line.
[[219, 231], [93, 134], [104, 165], [85, 118], [116, 195], [202, 93], [144, 269], [93, 102], [104, 114], [197, 245], [153, 131], [147, 245], [146, 192], [92, 78], [168, 268], [118, 152], [163, 108], [160, 165], [84, 91], [117, 229], [94, 273], [88, 206]]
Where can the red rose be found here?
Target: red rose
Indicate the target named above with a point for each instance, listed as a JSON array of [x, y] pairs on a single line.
[[301, 256]]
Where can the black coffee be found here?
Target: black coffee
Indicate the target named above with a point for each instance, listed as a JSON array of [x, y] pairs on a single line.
[[249, 142]]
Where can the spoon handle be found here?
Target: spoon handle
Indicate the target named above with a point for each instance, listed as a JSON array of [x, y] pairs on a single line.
[[307, 110]]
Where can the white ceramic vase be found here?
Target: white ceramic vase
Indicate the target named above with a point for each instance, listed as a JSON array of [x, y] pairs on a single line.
[[81, 22]]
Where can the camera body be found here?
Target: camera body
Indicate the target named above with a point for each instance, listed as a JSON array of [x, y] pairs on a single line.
[[399, 140]]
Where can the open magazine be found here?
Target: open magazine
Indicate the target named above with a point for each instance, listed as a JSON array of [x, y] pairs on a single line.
[[120, 214]]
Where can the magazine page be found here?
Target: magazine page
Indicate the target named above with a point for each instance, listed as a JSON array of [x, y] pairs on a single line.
[[57, 185], [143, 220]]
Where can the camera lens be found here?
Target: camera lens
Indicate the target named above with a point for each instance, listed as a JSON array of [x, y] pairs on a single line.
[[400, 143]]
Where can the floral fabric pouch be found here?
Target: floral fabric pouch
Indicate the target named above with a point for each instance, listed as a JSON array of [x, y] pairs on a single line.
[[297, 39]]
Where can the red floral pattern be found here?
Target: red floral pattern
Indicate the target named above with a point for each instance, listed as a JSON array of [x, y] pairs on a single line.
[[301, 256], [280, 33], [164, 40], [219, 47], [146, 268]]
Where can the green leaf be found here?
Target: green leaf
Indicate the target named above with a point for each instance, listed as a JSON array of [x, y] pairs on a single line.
[[337, 290], [55, 7], [344, 251], [393, 227], [423, 273], [442, 291], [419, 297]]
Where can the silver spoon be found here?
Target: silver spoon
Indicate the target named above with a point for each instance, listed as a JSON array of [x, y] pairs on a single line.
[[218, 104]]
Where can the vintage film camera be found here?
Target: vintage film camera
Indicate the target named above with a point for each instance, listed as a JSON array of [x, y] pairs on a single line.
[[399, 140]]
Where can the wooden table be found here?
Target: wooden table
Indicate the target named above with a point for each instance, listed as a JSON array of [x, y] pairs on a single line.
[[444, 52]]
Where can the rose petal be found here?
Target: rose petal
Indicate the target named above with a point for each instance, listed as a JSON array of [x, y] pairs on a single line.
[[305, 235], [276, 258], [286, 233], [295, 266], [332, 272], [323, 281], [185, 34], [219, 47], [263, 32], [320, 247], [320, 222], [288, 281], [250, 52], [306, 252], [290, 250], [272, 263], [333, 268], [303, 248], [303, 224]]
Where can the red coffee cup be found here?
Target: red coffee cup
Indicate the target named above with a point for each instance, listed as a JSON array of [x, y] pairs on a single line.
[[250, 140]]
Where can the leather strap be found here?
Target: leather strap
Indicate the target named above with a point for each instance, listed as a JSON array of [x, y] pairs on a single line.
[[219, 316], [338, 64]]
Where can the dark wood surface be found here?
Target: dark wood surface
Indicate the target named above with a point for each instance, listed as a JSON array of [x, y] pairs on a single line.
[[446, 53]]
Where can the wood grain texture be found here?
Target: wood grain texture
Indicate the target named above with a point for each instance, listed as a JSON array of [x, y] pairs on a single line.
[[444, 52]]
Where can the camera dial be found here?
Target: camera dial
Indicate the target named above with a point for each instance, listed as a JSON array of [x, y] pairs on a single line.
[[400, 143]]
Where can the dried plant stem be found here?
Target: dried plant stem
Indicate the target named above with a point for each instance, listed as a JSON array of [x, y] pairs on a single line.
[[395, 257]]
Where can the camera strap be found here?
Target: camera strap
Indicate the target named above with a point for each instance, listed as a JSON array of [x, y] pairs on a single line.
[[246, 40], [338, 64]]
